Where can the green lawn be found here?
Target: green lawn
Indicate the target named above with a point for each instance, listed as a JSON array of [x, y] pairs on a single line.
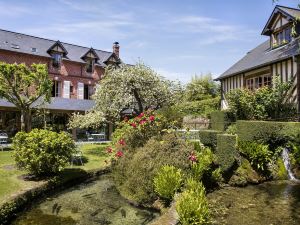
[[10, 182]]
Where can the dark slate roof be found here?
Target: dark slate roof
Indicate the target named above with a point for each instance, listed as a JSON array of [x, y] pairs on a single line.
[[262, 55], [23, 43], [291, 11], [64, 104]]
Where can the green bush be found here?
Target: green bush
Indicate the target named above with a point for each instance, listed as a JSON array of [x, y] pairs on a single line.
[[273, 133], [232, 129], [200, 108], [192, 205], [134, 173], [263, 103], [226, 152], [42, 152], [258, 154], [220, 120], [204, 163], [167, 181], [209, 137], [137, 131]]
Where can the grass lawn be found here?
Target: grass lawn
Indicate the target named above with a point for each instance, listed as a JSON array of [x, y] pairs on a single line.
[[10, 183]]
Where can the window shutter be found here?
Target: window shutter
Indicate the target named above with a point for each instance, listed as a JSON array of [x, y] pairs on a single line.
[[66, 89], [80, 90]]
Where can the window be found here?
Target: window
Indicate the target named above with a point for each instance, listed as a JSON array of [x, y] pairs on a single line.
[[258, 82], [56, 59], [282, 37], [56, 89], [33, 50], [88, 91], [90, 65]]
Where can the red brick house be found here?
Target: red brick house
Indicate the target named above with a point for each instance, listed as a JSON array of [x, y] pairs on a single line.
[[74, 70], [279, 55]]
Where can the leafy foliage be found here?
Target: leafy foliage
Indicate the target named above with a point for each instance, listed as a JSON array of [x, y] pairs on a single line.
[[258, 154], [23, 86], [134, 173], [263, 103], [167, 181], [192, 205], [203, 164], [42, 152], [137, 87]]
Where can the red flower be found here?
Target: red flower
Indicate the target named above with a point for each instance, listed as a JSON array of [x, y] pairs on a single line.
[[122, 142], [142, 122], [141, 115], [133, 125], [151, 118], [193, 157], [109, 150], [119, 154]]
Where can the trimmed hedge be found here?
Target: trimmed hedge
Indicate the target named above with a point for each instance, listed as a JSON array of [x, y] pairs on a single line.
[[220, 120], [209, 137], [265, 131], [226, 151]]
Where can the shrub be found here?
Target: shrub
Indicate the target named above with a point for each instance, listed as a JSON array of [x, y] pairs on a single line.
[[226, 152], [134, 172], [209, 137], [167, 181], [232, 129], [220, 120], [258, 154], [203, 163], [192, 205], [42, 152], [263, 103], [137, 131], [273, 133]]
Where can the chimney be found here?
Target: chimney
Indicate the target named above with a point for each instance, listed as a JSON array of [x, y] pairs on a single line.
[[116, 49]]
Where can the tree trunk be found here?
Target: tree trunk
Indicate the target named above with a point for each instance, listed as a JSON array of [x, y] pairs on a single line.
[[26, 120], [138, 100]]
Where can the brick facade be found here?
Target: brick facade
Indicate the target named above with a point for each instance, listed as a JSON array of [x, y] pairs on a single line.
[[74, 72]]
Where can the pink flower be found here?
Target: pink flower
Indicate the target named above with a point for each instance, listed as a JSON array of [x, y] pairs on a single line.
[[109, 150], [119, 154], [122, 142], [193, 157], [141, 115], [151, 118], [133, 125], [142, 122]]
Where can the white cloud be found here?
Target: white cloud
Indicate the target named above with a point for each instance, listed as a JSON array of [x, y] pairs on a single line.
[[171, 75]]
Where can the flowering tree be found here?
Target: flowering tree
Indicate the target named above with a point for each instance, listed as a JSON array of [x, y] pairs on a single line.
[[136, 87], [23, 86]]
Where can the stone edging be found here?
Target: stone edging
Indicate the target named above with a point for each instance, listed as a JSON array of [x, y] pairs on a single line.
[[10, 209]]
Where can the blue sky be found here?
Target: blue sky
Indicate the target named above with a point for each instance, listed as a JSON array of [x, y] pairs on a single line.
[[177, 38]]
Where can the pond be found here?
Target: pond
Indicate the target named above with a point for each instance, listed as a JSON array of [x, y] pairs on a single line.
[[271, 203], [97, 202]]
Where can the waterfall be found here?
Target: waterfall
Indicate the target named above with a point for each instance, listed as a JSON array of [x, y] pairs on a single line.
[[287, 163]]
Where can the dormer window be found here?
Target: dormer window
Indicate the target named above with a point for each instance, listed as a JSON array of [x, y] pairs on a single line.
[[56, 59], [90, 65], [90, 58], [282, 37]]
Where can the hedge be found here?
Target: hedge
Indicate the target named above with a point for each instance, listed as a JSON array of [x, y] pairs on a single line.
[[209, 137], [220, 120], [226, 151], [266, 130]]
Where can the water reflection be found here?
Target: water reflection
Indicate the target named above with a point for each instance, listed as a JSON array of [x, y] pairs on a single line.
[[94, 203], [276, 203]]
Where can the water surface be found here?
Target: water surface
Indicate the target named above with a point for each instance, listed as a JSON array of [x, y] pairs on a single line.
[[271, 203], [96, 203]]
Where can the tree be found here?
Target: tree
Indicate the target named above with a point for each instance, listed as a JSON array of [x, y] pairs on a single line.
[[23, 86], [136, 87], [201, 88]]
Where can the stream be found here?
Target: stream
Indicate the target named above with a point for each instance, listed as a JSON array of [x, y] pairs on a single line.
[[270, 203], [97, 202]]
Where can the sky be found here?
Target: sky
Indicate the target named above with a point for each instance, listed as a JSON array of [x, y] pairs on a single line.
[[178, 39]]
